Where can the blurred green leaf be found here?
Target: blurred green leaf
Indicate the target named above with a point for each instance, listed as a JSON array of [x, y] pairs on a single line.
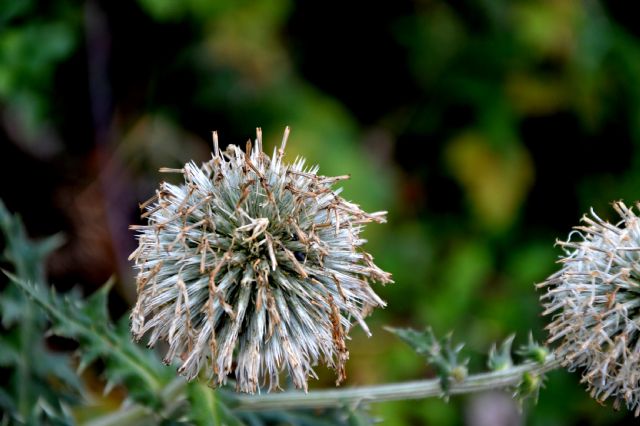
[[496, 181], [86, 321], [14, 9], [33, 369], [461, 275], [207, 409]]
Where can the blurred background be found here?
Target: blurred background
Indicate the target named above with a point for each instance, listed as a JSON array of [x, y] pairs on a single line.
[[486, 128]]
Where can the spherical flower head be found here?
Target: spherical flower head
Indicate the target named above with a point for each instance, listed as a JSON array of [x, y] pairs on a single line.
[[253, 267], [594, 301]]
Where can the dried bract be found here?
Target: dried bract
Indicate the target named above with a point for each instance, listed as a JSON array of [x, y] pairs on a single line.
[[253, 266], [594, 301]]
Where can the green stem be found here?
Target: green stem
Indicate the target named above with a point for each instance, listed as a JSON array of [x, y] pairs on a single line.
[[391, 392], [419, 389], [25, 397], [30, 269]]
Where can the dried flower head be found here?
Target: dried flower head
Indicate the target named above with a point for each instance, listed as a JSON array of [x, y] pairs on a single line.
[[594, 301], [252, 267]]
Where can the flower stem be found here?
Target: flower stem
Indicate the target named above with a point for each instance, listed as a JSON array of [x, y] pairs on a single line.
[[419, 389], [392, 392]]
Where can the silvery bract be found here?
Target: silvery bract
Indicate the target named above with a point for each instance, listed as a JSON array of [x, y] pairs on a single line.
[[594, 301], [253, 267]]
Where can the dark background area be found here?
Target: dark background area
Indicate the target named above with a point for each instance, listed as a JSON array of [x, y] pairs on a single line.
[[486, 128]]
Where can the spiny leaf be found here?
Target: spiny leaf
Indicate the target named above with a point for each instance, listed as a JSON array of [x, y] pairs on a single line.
[[529, 387], [86, 357], [55, 417], [36, 374], [58, 367], [500, 359], [438, 353], [27, 256], [127, 363], [533, 351], [11, 309], [95, 305]]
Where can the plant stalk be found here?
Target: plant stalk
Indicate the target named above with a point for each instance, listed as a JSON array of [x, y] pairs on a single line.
[[391, 392], [418, 389]]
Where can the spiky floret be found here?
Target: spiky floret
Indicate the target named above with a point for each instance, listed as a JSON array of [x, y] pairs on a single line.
[[252, 267], [594, 301]]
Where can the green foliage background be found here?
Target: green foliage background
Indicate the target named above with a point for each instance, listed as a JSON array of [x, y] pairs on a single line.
[[485, 127]]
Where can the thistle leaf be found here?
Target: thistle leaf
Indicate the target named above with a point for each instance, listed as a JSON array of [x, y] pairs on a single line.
[[38, 377], [438, 353], [533, 351], [500, 359], [73, 318]]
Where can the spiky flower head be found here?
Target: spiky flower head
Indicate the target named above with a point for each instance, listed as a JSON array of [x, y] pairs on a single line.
[[594, 301], [253, 266]]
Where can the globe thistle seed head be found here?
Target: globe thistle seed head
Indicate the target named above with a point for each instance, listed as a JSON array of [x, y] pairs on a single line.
[[594, 304], [253, 266]]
